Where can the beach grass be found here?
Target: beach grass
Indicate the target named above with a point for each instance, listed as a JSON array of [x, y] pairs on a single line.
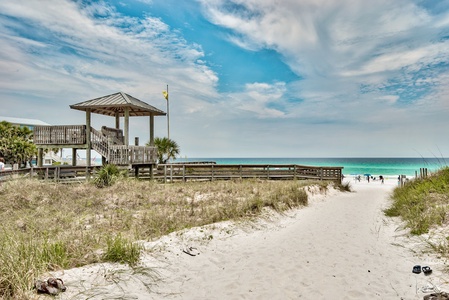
[[423, 203], [48, 226]]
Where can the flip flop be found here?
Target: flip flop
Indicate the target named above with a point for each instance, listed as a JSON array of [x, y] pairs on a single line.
[[192, 251], [427, 270], [417, 269]]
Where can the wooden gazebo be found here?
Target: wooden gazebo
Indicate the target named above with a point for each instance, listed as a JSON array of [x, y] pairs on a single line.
[[111, 143]]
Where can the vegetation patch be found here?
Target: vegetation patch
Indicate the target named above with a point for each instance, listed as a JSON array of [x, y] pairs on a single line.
[[108, 175], [48, 226], [422, 203]]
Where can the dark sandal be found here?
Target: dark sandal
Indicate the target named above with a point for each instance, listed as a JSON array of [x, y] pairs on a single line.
[[417, 269], [427, 270]]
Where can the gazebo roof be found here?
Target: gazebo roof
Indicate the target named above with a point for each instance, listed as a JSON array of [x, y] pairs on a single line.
[[112, 104]]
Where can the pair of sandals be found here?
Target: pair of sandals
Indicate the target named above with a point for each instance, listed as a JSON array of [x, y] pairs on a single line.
[[426, 270], [52, 286]]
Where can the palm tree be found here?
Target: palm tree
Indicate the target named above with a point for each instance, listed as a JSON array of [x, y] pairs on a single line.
[[166, 149]]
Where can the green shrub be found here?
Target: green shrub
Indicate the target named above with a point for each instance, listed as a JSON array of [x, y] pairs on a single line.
[[108, 175]]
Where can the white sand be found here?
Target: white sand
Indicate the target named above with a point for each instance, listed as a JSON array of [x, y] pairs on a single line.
[[339, 247]]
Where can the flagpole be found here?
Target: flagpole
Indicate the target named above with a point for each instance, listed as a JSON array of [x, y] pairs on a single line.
[[168, 116]]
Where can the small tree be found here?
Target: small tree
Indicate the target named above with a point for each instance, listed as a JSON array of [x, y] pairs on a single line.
[[16, 144], [166, 149]]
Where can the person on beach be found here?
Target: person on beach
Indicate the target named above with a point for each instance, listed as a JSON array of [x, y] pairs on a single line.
[[381, 178], [2, 164]]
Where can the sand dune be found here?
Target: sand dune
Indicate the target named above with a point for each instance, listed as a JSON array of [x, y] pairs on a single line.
[[339, 247]]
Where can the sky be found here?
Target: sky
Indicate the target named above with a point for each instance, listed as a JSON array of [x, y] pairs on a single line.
[[246, 78]]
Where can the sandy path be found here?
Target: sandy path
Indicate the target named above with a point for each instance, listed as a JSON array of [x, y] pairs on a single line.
[[339, 247]]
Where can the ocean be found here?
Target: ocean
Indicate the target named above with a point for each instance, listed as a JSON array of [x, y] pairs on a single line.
[[352, 166]]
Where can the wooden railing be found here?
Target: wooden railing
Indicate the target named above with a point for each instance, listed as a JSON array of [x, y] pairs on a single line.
[[99, 142], [60, 135], [54, 173], [111, 147], [114, 135], [184, 172], [132, 155]]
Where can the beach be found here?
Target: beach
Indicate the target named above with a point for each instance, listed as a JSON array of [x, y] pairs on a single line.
[[340, 246]]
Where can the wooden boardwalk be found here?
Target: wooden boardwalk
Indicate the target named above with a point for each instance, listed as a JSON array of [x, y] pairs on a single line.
[[186, 172]]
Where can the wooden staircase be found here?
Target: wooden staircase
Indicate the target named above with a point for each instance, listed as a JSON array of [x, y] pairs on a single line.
[[115, 152]]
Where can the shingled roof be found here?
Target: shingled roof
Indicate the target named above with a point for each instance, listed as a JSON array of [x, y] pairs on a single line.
[[112, 104]]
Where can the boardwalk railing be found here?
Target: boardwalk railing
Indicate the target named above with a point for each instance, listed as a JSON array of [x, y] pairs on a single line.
[[60, 135], [184, 172], [54, 173], [132, 155]]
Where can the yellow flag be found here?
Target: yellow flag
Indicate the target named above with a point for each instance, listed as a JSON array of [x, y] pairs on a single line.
[[165, 93]]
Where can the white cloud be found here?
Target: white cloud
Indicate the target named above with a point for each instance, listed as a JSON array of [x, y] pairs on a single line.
[[70, 50], [355, 59], [337, 47], [259, 99]]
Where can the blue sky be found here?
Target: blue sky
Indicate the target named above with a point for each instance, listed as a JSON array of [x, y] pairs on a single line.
[[247, 78]]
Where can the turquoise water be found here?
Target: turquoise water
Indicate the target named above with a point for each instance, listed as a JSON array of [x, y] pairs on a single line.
[[352, 166]]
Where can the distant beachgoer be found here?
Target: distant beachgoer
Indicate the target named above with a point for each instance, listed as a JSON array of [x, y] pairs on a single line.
[[2, 164], [381, 178], [368, 178]]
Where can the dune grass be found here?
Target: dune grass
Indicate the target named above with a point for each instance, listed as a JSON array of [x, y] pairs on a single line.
[[47, 226], [422, 203]]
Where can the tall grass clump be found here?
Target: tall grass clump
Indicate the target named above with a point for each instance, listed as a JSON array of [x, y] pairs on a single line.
[[121, 250], [422, 203], [344, 187], [108, 175]]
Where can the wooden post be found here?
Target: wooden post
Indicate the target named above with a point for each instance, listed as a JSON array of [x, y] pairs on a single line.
[[88, 138], [127, 126], [74, 157], [56, 174], [151, 172], [40, 157], [184, 173], [117, 120], [151, 130]]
